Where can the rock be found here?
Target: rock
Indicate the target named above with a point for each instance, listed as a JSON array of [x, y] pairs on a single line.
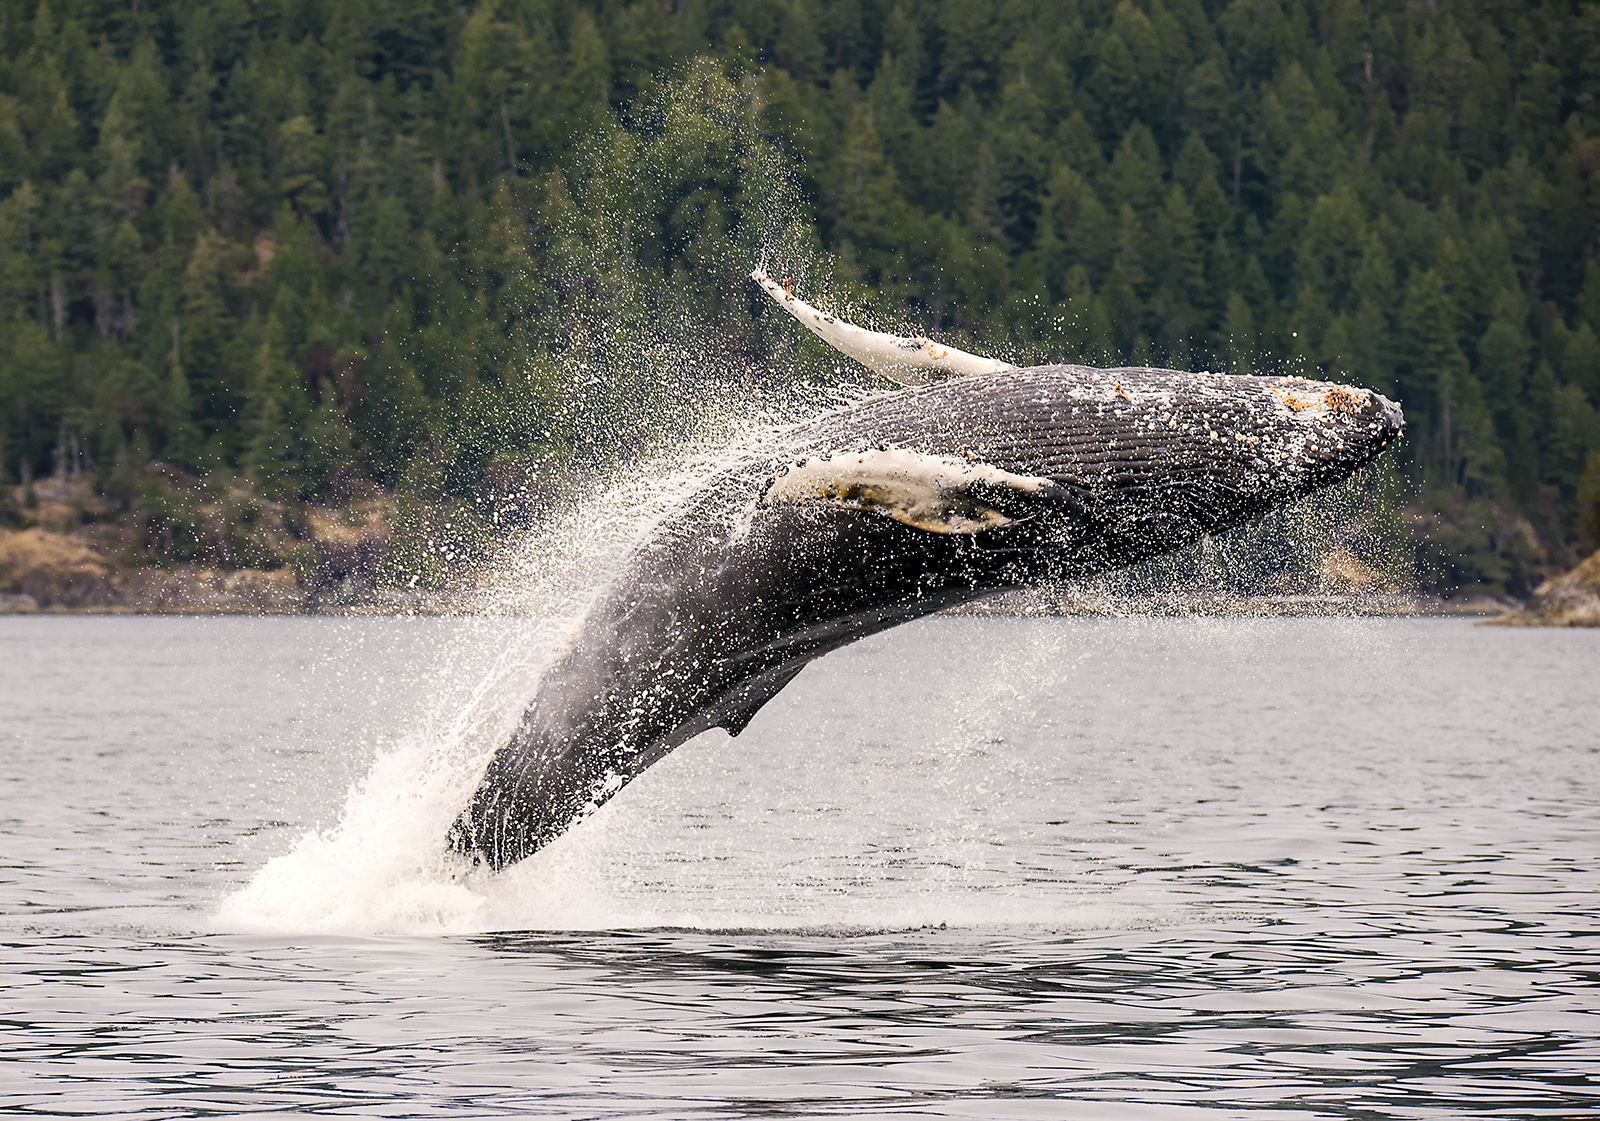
[[18, 605], [1342, 571], [350, 543], [157, 591], [1572, 600], [274, 590], [54, 570], [208, 591]]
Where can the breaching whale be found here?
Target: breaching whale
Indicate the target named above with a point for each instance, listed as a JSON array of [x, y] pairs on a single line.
[[975, 478]]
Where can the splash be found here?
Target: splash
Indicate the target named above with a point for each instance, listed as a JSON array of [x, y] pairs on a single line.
[[384, 866], [659, 397]]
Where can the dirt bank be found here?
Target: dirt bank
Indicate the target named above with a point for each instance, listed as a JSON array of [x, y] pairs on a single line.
[[1570, 600], [183, 548]]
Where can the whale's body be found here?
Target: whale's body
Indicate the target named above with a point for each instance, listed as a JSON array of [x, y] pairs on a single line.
[[885, 511]]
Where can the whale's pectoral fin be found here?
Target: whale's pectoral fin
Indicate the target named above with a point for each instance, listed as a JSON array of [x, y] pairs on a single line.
[[735, 710], [909, 360], [940, 494]]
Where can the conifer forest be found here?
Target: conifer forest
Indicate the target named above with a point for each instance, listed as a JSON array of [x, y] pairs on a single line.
[[301, 250]]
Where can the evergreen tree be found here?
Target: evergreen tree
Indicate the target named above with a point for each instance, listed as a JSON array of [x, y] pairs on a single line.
[[315, 243]]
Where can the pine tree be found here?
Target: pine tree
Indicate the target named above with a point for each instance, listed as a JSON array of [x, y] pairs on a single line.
[[1460, 441], [1239, 334], [276, 408], [1177, 260], [435, 203], [1503, 370], [1372, 331], [869, 202], [1077, 231]]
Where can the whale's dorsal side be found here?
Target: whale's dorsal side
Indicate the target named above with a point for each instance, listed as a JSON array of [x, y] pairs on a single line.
[[907, 359], [937, 493]]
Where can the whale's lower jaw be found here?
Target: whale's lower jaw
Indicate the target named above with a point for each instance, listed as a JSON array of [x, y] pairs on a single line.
[[873, 515]]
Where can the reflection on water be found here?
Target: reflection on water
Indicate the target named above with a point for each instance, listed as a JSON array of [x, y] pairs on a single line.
[[971, 868]]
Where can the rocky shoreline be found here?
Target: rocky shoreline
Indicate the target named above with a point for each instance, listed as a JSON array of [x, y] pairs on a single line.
[[1058, 603], [197, 554], [46, 573], [1570, 600], [53, 574], [248, 592], [75, 559]]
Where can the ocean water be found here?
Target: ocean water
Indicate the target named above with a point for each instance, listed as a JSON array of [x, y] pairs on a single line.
[[973, 867]]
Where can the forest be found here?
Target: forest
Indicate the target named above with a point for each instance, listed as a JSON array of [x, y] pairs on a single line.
[[472, 255]]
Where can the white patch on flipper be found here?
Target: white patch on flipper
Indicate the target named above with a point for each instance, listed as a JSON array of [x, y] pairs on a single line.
[[931, 492], [910, 360]]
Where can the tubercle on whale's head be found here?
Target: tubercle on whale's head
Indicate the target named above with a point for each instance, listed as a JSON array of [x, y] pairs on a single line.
[[1333, 429], [1285, 422]]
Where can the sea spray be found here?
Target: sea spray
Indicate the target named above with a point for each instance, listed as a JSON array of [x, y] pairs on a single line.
[[653, 399], [384, 866]]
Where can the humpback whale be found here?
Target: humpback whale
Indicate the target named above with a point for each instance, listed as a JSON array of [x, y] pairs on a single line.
[[975, 477]]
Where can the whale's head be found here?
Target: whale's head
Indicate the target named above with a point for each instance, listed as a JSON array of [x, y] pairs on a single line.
[[1089, 469]]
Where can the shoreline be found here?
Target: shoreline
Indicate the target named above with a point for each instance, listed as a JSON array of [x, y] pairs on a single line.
[[399, 603], [51, 573], [1064, 604], [406, 603]]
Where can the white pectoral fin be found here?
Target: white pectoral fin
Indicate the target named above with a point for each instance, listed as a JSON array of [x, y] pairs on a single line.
[[940, 494], [909, 361]]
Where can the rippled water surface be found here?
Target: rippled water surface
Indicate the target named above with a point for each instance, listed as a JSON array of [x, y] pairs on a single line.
[[970, 868]]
